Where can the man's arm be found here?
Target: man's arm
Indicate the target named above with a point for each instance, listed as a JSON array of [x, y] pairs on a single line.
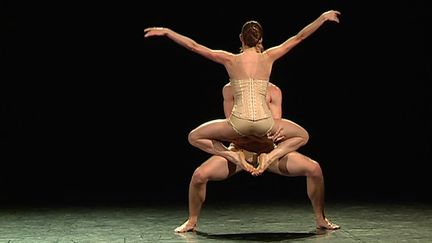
[[275, 104], [228, 99], [275, 100]]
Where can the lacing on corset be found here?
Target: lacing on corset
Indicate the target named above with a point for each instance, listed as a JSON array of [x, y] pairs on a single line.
[[250, 99]]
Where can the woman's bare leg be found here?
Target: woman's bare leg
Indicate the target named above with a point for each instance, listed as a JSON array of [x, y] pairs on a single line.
[[209, 137], [295, 137]]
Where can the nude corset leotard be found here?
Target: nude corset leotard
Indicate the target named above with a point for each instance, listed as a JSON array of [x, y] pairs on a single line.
[[251, 114]]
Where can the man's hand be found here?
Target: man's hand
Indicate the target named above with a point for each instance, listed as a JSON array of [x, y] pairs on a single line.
[[276, 136]]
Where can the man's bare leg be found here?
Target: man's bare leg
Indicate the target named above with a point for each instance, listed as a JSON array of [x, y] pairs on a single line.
[[216, 168], [315, 190], [296, 164]]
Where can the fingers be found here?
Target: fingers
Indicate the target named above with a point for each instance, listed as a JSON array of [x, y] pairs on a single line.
[[153, 28], [273, 136], [279, 138], [334, 11], [334, 17], [150, 31]]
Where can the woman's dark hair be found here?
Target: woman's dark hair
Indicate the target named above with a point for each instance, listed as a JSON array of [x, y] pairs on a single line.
[[252, 34]]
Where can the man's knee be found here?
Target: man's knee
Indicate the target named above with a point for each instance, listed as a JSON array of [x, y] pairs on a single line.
[[305, 137], [315, 170], [192, 137], [199, 177]]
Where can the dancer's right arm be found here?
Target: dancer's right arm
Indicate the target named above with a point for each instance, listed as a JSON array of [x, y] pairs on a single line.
[[218, 56]]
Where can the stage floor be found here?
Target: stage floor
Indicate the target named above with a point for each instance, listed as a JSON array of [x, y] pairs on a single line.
[[281, 221]]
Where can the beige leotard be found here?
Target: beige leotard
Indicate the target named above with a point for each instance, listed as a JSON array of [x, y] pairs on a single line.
[[251, 114]]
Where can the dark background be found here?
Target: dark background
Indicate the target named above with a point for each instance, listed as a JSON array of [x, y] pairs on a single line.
[[90, 111]]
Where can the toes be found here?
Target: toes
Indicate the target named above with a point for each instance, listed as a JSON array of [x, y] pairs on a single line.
[[329, 226], [185, 228]]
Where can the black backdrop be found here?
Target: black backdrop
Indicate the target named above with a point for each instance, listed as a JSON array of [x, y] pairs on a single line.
[[92, 111]]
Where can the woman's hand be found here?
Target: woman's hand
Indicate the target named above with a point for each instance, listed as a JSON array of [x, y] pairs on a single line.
[[331, 15], [155, 31]]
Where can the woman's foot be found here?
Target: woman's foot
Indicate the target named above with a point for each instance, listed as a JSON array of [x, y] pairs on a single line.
[[235, 156], [262, 164], [243, 163]]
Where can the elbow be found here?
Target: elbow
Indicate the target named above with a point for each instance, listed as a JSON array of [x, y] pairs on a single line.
[[300, 37], [193, 137], [305, 137], [193, 46]]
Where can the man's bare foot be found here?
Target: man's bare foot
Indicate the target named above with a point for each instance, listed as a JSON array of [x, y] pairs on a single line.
[[185, 227], [327, 225]]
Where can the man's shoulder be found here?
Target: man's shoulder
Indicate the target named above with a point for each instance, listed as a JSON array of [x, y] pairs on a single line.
[[273, 87], [227, 91], [227, 87]]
